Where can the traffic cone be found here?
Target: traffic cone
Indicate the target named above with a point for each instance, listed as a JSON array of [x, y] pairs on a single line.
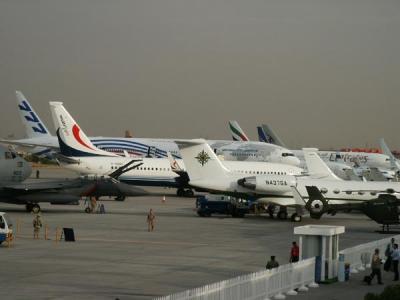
[[163, 199]]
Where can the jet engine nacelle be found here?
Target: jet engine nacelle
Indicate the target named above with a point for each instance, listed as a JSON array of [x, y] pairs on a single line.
[[268, 183], [317, 207]]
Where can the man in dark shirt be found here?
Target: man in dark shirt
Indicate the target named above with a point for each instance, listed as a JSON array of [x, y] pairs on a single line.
[[294, 253]]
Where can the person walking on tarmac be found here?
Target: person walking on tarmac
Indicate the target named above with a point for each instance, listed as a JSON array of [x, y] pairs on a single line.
[[150, 220], [294, 253], [37, 224], [376, 267]]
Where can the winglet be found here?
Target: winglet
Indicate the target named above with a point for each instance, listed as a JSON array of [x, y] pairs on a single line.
[[317, 168]]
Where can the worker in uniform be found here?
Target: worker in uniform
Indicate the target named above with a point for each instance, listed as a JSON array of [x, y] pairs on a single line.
[[294, 253], [93, 204], [150, 220], [376, 267], [37, 224]]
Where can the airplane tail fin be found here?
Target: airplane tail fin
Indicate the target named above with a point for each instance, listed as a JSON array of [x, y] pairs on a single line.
[[200, 161], [237, 132], [34, 127], [262, 136], [73, 141], [393, 161], [316, 166], [269, 136]]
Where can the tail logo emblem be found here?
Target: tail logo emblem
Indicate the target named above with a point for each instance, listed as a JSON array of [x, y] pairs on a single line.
[[202, 158]]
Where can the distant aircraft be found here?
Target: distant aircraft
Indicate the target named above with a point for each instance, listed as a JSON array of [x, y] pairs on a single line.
[[14, 188], [38, 134], [342, 170], [207, 172], [394, 162], [361, 160], [80, 155], [347, 165]]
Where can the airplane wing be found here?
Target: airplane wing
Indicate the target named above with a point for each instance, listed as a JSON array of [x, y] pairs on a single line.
[[316, 167], [45, 185], [30, 144]]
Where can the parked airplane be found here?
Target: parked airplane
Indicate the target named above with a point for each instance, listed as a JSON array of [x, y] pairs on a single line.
[[342, 170], [38, 134], [14, 170], [80, 155], [360, 160], [207, 172]]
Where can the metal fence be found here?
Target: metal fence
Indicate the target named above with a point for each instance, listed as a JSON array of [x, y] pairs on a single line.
[[259, 285], [359, 257]]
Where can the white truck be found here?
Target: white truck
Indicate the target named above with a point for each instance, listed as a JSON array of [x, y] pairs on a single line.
[[5, 228]]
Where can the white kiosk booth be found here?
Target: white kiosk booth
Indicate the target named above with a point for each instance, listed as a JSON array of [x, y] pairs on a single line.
[[321, 241]]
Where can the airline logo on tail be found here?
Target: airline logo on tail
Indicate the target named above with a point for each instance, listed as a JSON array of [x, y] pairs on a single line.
[[237, 132], [203, 158], [76, 132], [32, 118], [263, 137]]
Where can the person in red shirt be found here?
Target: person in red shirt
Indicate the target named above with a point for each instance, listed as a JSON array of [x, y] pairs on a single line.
[[294, 253]]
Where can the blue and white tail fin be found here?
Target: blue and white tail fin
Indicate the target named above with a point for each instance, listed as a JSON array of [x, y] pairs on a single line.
[[34, 127], [316, 167], [263, 137], [201, 163], [237, 132], [73, 141], [267, 135]]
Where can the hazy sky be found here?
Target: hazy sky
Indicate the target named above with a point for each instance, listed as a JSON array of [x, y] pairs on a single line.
[[323, 73]]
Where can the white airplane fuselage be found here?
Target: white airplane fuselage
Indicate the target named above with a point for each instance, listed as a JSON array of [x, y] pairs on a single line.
[[230, 150], [157, 171]]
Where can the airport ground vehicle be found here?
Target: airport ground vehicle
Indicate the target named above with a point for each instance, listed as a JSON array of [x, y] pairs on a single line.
[[5, 229], [220, 204]]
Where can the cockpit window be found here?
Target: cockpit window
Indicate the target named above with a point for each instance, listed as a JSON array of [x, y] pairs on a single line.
[[287, 154]]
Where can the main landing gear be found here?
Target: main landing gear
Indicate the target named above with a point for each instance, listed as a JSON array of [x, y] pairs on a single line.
[[32, 207], [184, 193], [282, 215]]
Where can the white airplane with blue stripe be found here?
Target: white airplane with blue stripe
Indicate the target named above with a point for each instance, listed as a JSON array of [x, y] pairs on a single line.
[[79, 154], [38, 134]]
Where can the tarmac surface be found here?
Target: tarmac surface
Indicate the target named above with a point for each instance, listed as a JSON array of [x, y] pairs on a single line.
[[116, 257]]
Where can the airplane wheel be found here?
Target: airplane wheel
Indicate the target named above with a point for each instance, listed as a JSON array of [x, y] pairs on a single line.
[[295, 218], [120, 198], [282, 215], [180, 192], [87, 210], [36, 208], [189, 193], [28, 207]]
